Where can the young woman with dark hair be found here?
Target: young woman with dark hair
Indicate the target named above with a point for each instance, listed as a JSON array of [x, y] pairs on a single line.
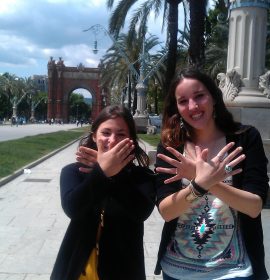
[[106, 178], [211, 186]]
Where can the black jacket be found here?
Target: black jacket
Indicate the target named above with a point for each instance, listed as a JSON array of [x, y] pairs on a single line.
[[128, 198], [253, 178]]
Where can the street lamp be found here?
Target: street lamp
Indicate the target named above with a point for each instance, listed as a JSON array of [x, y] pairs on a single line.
[[95, 50], [103, 98]]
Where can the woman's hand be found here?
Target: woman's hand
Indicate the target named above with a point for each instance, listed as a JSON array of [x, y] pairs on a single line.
[[218, 168], [116, 158], [184, 167], [87, 157]]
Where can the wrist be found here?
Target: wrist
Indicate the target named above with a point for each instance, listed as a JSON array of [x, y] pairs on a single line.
[[198, 188]]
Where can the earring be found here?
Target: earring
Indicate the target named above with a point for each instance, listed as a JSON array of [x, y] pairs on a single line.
[[182, 125]]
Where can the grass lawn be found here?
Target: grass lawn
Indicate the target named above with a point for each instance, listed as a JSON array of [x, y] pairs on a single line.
[[15, 154], [152, 139]]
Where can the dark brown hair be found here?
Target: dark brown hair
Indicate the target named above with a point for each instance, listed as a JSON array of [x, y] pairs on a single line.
[[172, 134], [112, 112]]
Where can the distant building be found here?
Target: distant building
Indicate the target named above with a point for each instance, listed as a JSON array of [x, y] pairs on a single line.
[[41, 81]]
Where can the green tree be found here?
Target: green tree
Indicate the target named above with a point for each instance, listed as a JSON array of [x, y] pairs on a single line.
[[121, 65], [5, 109], [78, 109], [140, 18], [217, 39], [13, 87]]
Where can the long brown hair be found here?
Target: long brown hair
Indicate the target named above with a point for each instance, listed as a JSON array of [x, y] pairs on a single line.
[[172, 134], [113, 112]]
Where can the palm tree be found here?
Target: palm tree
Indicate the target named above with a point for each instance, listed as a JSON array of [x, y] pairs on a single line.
[[120, 72], [197, 33], [216, 51], [217, 39], [141, 15], [172, 44]]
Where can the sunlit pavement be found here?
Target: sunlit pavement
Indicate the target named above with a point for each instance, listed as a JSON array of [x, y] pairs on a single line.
[[8, 132], [32, 223]]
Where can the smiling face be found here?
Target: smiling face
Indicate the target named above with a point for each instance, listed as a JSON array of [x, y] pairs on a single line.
[[195, 104], [111, 132]]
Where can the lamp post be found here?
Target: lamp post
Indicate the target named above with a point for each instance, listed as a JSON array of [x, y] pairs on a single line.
[[156, 97], [103, 99], [141, 77]]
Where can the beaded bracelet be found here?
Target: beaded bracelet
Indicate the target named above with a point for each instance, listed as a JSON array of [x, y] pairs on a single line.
[[198, 188], [196, 195]]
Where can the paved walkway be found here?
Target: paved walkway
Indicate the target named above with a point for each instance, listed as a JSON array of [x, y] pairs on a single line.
[[32, 223], [8, 132]]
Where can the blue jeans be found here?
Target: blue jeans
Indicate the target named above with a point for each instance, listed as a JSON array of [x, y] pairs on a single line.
[[166, 277]]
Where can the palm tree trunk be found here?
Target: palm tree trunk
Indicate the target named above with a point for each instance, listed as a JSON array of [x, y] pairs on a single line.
[[197, 30], [172, 42]]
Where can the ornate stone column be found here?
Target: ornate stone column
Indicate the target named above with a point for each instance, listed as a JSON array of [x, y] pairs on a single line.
[[246, 54], [247, 40], [244, 86]]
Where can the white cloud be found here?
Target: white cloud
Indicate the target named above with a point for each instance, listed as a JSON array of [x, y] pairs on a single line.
[[33, 30], [9, 6]]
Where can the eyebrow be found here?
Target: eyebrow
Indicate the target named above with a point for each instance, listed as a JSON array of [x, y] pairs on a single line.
[[119, 130]]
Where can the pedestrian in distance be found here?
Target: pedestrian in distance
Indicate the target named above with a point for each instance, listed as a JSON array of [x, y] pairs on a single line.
[[111, 179], [211, 186]]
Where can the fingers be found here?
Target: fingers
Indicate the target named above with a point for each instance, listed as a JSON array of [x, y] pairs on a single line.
[[169, 160], [221, 156], [237, 160], [85, 170], [124, 149], [101, 146], [233, 154], [176, 153], [167, 170], [86, 156], [127, 160], [113, 159], [230, 159], [172, 179], [201, 154]]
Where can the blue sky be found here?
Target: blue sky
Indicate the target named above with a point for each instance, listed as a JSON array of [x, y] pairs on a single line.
[[31, 31]]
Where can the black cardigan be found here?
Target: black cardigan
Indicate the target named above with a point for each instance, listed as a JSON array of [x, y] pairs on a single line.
[[253, 178], [129, 196]]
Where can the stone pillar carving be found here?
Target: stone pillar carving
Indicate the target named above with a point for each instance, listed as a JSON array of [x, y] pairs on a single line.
[[245, 85], [264, 84], [247, 41], [246, 54]]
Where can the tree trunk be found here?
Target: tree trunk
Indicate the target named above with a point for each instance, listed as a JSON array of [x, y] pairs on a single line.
[[197, 29], [172, 42]]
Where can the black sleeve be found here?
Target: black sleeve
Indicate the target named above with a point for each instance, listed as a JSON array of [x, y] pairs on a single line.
[[133, 196], [80, 191], [164, 190], [255, 179]]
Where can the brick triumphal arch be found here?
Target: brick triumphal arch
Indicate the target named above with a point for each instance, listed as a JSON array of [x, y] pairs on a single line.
[[63, 80]]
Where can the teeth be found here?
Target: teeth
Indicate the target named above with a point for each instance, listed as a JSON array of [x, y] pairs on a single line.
[[196, 117]]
